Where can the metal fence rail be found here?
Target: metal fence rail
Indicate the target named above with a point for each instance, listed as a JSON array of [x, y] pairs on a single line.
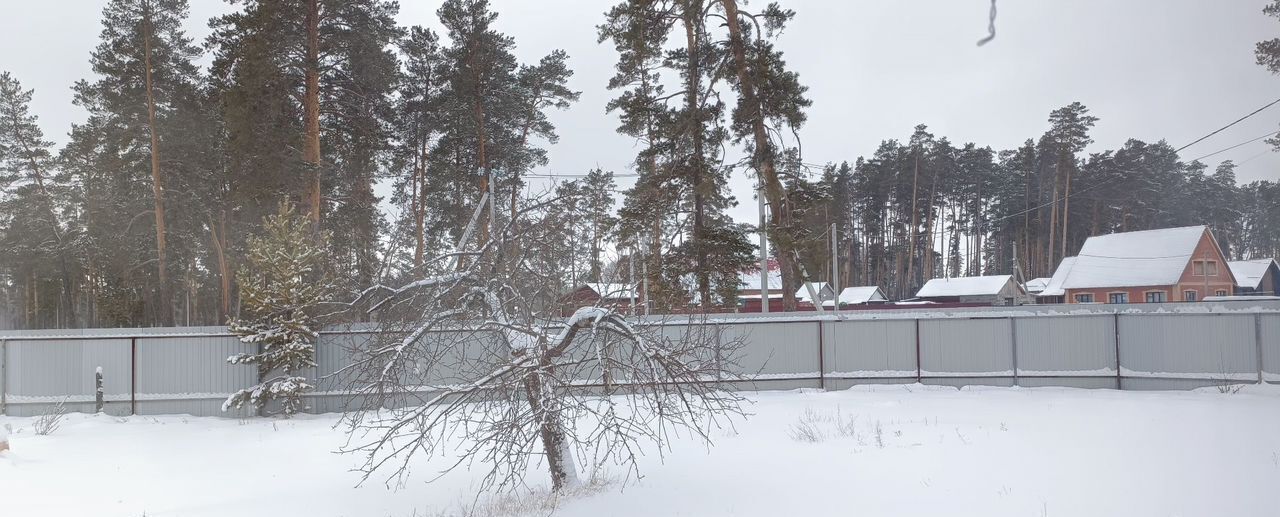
[[184, 370]]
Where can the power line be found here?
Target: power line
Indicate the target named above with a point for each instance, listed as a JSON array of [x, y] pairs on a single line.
[[1219, 130], [1237, 145]]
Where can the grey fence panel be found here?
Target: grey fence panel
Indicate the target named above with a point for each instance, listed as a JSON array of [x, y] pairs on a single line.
[[1069, 382], [1066, 346], [43, 373], [969, 351], [1270, 347], [1209, 347], [777, 350], [191, 375], [882, 349]]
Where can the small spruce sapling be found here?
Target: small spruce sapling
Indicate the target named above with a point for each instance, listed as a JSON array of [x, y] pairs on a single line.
[[282, 281]]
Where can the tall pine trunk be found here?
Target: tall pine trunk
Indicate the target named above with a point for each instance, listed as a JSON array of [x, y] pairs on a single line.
[[311, 113], [764, 159], [693, 76], [163, 305]]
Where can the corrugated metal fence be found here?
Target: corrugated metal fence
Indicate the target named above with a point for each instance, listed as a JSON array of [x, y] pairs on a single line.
[[184, 370]]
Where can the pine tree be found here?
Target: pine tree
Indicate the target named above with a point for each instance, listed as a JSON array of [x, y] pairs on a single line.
[[283, 279], [38, 238]]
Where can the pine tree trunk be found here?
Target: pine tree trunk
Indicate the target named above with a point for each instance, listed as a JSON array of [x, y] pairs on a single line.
[[693, 77], [779, 210], [1053, 221], [311, 113], [1066, 211], [164, 305], [911, 239]]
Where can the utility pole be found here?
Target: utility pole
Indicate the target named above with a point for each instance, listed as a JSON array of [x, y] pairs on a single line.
[[764, 255], [835, 269]]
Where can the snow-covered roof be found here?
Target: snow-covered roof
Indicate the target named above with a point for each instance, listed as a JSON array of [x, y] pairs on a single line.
[[1054, 287], [1133, 259], [610, 291], [802, 294], [964, 286], [857, 295], [1035, 285], [1249, 273], [750, 281]]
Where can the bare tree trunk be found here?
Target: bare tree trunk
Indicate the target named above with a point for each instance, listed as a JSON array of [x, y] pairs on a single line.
[[764, 160], [311, 113], [554, 442], [163, 306]]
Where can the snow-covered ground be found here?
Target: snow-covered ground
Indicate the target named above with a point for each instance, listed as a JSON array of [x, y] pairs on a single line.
[[882, 450]]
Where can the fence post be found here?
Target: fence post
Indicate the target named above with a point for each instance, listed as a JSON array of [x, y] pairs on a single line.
[[1257, 341], [919, 379], [4, 376], [133, 375], [1013, 342], [822, 368], [1115, 327]]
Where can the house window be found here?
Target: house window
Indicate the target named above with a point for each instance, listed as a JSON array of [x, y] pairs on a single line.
[[1084, 298], [1189, 296], [1155, 297], [1201, 267], [1220, 292], [1118, 298]]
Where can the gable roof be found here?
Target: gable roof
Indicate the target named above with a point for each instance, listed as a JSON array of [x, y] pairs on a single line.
[[964, 286], [1054, 287], [1133, 259], [860, 294], [802, 294], [1035, 285], [1249, 273]]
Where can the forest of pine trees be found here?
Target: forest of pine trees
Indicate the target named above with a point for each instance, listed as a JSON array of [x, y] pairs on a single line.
[[143, 217]]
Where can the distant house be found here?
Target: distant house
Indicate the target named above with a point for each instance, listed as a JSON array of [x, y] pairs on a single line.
[[1256, 277], [861, 295], [749, 288], [1152, 266], [616, 296], [1036, 285], [991, 290], [823, 289]]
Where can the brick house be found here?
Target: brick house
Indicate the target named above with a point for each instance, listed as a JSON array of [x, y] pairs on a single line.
[[618, 297], [1153, 266]]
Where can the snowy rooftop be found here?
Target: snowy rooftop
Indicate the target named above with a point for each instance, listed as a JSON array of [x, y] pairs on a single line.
[[1249, 273], [750, 281], [963, 286], [1132, 259], [1035, 285], [611, 291], [860, 294], [1054, 287], [802, 293]]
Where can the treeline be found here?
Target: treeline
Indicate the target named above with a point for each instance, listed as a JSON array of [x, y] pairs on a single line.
[[142, 218]]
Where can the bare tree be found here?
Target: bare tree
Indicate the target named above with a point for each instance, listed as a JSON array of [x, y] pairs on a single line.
[[474, 358]]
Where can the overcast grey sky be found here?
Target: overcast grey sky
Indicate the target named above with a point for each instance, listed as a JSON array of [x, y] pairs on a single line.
[[1149, 69]]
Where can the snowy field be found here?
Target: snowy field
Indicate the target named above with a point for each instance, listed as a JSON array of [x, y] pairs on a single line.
[[871, 451]]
